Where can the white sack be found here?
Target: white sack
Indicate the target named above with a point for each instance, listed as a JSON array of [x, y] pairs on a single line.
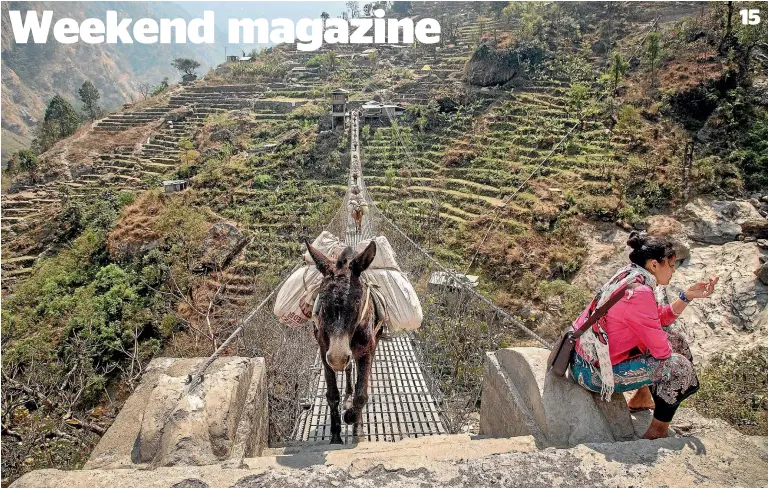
[[385, 255], [328, 244], [395, 296], [294, 302]]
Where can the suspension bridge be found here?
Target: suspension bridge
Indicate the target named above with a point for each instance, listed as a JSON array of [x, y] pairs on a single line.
[[424, 383]]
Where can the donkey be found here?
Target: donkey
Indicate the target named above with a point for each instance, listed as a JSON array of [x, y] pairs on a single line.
[[347, 327], [357, 215], [356, 208]]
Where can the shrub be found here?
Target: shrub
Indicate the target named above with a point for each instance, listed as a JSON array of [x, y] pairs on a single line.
[[735, 388], [628, 119], [564, 301]]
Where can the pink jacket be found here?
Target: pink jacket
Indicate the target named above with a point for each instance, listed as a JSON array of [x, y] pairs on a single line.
[[636, 321]]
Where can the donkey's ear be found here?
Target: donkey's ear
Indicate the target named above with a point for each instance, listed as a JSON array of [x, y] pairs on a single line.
[[364, 259], [324, 265]]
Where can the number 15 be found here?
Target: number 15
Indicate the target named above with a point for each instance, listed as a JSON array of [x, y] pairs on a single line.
[[750, 16]]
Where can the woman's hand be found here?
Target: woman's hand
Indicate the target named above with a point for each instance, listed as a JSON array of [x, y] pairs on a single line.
[[702, 289]]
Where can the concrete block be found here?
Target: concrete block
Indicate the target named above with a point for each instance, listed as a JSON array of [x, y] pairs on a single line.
[[165, 423], [520, 398]]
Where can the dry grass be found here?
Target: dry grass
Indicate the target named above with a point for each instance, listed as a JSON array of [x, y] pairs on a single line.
[[137, 224]]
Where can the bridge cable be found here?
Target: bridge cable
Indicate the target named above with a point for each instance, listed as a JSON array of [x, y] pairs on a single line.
[[197, 377]]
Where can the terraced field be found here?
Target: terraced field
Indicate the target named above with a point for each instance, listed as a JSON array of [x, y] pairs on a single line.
[[465, 174]]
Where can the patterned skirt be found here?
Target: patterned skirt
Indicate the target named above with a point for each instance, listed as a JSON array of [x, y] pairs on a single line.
[[671, 380]]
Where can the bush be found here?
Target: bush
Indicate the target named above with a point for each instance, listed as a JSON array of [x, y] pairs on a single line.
[[752, 155], [628, 119], [161, 87], [564, 301], [598, 208], [308, 111], [735, 388]]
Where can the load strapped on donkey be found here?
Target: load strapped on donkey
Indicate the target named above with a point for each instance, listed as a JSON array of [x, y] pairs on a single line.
[[358, 208], [391, 290], [349, 294]]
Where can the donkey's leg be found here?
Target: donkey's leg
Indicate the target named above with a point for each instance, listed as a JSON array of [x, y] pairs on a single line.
[[355, 414], [333, 397], [348, 388]]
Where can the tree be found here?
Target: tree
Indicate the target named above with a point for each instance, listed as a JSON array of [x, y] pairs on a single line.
[[90, 97], [368, 9], [24, 160], [63, 117], [185, 65], [727, 42], [429, 116], [328, 61], [389, 177], [652, 53], [749, 37], [145, 89], [354, 9], [513, 10], [187, 151], [618, 69], [498, 8], [578, 98]]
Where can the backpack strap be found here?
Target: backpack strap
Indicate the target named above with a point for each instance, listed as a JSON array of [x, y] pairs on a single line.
[[600, 312]]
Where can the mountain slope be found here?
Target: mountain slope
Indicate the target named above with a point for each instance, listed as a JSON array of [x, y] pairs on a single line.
[[33, 73]]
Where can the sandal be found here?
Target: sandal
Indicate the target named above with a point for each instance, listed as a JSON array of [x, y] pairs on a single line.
[[639, 409]]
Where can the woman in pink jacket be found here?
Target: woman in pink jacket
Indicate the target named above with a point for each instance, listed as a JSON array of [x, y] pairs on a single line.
[[629, 349]]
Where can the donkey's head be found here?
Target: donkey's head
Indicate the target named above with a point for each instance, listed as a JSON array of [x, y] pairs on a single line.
[[341, 301]]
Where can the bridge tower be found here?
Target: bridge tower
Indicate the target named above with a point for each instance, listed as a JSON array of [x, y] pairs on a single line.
[[339, 98]]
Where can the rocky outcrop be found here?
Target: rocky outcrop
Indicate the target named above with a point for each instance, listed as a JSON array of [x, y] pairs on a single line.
[[489, 66], [223, 242], [762, 273], [727, 320], [715, 221], [662, 225], [755, 228], [167, 422]]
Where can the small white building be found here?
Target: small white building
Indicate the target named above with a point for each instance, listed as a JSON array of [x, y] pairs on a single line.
[[441, 279], [172, 186], [375, 109]]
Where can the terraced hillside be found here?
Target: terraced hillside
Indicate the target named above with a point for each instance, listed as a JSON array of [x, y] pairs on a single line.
[[497, 178]]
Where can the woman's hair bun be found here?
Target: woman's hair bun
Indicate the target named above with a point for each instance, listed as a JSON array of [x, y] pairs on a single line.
[[636, 240]]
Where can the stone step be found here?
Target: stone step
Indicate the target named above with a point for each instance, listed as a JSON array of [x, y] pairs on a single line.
[[115, 169], [269, 116], [126, 121], [169, 161], [158, 166], [159, 146], [716, 457], [18, 212]]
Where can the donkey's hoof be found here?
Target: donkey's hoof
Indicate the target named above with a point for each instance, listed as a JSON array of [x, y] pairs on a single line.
[[350, 416], [336, 440]]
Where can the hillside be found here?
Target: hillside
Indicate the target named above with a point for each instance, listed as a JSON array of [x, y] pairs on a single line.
[[521, 156], [33, 73]]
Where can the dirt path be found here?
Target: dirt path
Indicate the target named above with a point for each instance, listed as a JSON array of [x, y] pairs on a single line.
[[64, 157]]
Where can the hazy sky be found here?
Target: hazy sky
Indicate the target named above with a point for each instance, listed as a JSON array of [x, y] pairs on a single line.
[[267, 10], [257, 10]]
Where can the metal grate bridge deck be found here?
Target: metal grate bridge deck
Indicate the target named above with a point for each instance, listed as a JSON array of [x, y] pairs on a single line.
[[399, 402]]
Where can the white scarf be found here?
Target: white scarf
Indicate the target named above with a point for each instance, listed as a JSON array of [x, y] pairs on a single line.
[[594, 342]]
